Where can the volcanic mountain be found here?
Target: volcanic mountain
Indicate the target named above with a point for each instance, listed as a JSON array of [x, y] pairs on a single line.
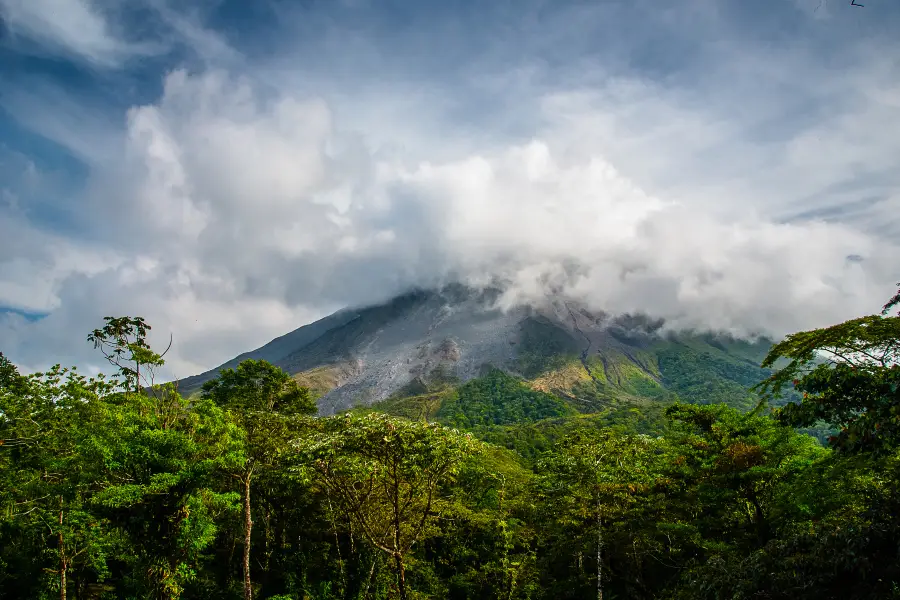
[[425, 340]]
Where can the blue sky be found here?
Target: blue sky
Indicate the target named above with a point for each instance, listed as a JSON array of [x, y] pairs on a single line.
[[232, 170]]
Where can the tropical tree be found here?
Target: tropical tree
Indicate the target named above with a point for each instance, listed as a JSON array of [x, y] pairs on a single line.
[[737, 471], [849, 376], [123, 342], [45, 476], [595, 481], [386, 475], [265, 402]]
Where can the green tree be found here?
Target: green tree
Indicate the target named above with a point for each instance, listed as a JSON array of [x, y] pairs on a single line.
[[849, 375], [497, 399], [264, 401], [737, 471], [161, 456], [386, 474], [123, 342], [594, 482], [47, 482]]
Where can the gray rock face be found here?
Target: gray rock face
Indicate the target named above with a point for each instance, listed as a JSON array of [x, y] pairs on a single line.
[[371, 353], [455, 339], [454, 332]]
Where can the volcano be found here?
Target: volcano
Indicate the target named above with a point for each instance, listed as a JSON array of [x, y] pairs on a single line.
[[425, 339]]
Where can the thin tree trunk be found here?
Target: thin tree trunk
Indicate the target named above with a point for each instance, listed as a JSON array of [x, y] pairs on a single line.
[[365, 595], [599, 552], [62, 557], [401, 575], [398, 555], [337, 546], [267, 547], [248, 528]]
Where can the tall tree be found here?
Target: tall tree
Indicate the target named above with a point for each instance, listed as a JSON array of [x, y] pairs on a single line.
[[123, 342], [160, 455], [849, 376], [386, 474], [592, 480], [47, 480], [264, 401]]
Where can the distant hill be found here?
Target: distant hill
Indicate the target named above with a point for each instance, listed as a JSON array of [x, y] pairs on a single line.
[[424, 343]]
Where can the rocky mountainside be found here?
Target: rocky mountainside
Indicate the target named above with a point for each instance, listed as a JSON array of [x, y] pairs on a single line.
[[426, 340]]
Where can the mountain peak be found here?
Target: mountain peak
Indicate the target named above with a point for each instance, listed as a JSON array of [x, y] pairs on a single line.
[[368, 354]]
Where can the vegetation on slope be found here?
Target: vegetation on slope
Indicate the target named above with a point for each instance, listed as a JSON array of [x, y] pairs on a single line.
[[707, 378], [498, 399]]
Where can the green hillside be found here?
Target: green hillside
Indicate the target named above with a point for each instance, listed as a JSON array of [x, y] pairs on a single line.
[[555, 382]]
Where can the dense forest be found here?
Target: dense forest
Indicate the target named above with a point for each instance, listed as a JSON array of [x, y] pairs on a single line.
[[114, 488]]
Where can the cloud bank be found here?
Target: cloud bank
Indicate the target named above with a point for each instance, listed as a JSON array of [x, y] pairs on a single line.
[[748, 185]]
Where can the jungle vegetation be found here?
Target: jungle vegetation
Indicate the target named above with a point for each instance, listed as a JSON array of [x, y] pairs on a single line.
[[114, 488]]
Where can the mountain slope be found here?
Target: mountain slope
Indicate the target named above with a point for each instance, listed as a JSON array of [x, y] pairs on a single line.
[[425, 342]]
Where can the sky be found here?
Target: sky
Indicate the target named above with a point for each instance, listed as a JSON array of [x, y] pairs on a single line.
[[232, 170]]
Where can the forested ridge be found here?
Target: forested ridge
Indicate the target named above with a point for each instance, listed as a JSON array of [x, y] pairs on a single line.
[[111, 487]]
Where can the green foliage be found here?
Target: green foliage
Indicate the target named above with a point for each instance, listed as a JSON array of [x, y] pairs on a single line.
[[498, 399], [161, 461], [544, 347], [123, 342], [532, 440], [705, 378], [423, 407], [741, 463], [849, 377], [267, 404], [117, 490], [386, 475], [257, 385], [594, 490]]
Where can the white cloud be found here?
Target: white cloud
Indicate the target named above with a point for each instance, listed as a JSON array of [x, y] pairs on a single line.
[[76, 27], [241, 204]]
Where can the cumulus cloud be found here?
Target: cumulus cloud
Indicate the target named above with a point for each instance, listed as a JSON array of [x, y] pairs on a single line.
[[240, 204]]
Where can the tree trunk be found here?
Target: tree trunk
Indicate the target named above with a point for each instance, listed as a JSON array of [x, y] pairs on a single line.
[[267, 547], [365, 595], [248, 528], [337, 546], [762, 525], [398, 553], [401, 575], [599, 552], [62, 580], [63, 566]]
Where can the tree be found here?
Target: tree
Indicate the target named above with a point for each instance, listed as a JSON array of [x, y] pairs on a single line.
[[263, 400], [593, 480], [123, 342], [386, 474], [849, 377], [257, 385], [10, 379], [735, 468], [894, 301], [47, 482], [159, 456], [162, 457]]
